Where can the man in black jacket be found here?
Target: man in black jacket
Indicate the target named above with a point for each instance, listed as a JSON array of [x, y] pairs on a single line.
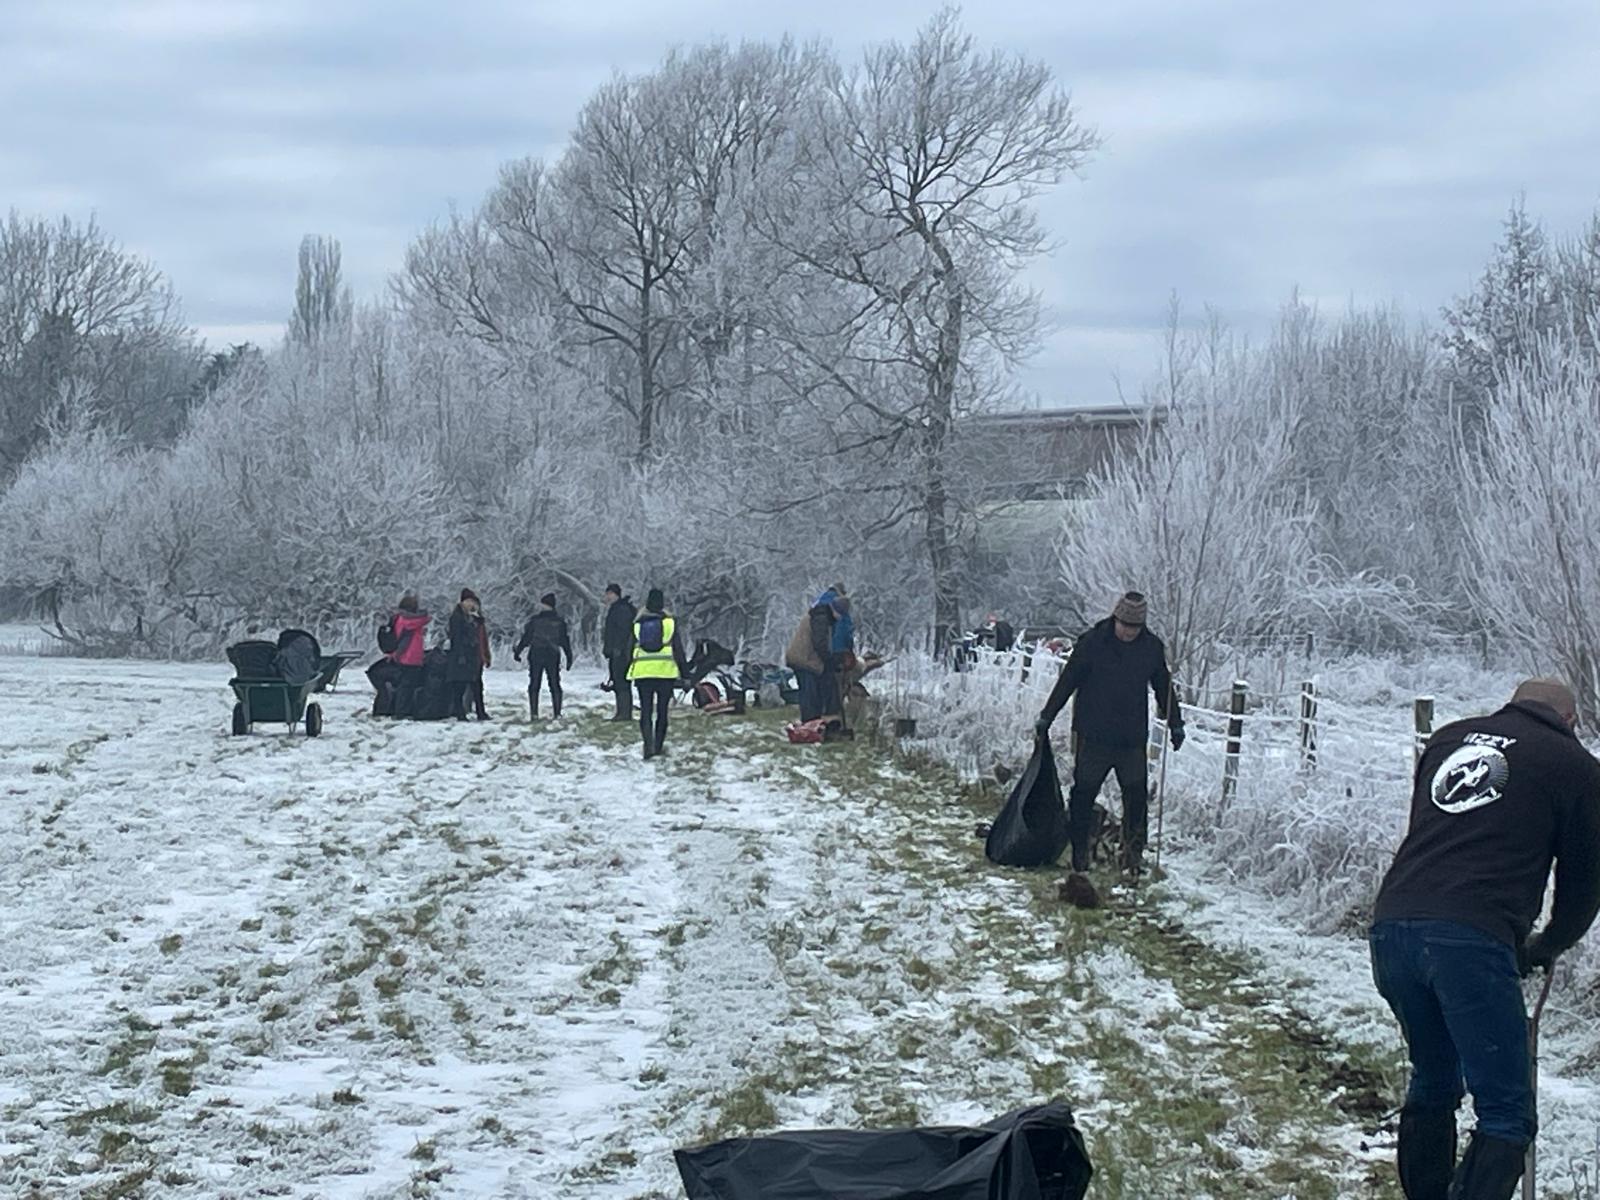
[[1496, 799], [616, 643], [1110, 668], [545, 639]]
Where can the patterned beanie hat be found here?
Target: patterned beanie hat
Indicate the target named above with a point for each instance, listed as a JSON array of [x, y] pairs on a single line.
[[1131, 609]]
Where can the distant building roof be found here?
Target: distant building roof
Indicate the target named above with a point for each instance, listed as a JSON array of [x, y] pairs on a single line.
[[1047, 452]]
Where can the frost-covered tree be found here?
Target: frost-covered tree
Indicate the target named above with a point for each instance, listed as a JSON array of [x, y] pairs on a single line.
[[1205, 516], [322, 303], [909, 195], [90, 336], [603, 234], [1532, 519], [1371, 418], [1515, 302]]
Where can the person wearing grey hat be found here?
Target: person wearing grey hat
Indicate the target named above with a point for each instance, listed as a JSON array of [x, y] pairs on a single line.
[[1109, 670]]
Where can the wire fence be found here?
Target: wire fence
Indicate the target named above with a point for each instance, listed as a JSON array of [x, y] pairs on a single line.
[[1301, 793]]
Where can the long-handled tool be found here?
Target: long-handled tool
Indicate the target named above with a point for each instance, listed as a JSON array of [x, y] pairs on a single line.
[[1531, 1162], [1161, 776]]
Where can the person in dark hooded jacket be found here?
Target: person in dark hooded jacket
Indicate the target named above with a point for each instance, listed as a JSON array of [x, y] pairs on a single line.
[[1496, 802], [545, 639], [1111, 669], [616, 643], [464, 667]]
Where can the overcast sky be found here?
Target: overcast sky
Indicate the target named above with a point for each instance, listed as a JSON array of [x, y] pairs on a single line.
[[1361, 151]]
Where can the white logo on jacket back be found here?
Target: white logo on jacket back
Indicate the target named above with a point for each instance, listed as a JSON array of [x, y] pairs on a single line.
[[1470, 778]]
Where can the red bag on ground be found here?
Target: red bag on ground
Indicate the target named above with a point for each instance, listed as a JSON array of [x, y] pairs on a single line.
[[807, 733]]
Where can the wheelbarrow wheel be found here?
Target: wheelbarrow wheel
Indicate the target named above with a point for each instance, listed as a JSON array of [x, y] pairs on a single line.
[[313, 720], [240, 725]]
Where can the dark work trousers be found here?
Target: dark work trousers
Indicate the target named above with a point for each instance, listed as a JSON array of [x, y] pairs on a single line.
[[655, 697], [1090, 766], [544, 666], [621, 689], [477, 699], [1457, 995], [458, 699], [407, 691]]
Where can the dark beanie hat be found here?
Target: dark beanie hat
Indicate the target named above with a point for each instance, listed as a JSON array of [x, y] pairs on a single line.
[[1131, 609], [469, 594], [408, 602], [614, 589], [655, 601], [548, 599]]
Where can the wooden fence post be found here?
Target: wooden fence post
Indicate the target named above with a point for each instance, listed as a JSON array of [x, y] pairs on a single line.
[[1308, 725], [1311, 645], [1230, 763], [1422, 719]]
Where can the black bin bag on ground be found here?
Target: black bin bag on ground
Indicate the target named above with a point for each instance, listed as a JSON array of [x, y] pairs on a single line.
[[1031, 830], [1031, 1154]]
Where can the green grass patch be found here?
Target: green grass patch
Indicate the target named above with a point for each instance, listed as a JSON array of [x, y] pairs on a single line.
[[137, 1039]]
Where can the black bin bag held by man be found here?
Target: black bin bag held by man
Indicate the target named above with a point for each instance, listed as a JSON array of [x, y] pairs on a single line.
[[1032, 829], [1031, 1154]]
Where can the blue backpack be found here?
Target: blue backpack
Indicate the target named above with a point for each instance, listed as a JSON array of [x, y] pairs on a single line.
[[652, 633]]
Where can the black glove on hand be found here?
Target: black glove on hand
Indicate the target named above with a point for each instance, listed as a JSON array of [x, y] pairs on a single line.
[[1536, 954], [1177, 736], [516, 656]]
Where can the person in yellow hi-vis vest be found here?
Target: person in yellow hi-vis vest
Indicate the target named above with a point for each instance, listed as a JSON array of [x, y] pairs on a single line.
[[658, 663]]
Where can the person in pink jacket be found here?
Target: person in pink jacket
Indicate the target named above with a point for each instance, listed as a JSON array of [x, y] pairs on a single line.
[[409, 630]]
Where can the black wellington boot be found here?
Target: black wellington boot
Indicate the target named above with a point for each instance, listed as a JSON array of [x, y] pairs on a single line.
[[1427, 1153], [1489, 1170]]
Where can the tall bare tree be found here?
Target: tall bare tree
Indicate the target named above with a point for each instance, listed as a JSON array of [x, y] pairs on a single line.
[[322, 304], [602, 234], [911, 190]]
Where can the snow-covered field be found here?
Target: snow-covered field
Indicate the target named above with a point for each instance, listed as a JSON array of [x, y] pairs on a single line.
[[488, 960]]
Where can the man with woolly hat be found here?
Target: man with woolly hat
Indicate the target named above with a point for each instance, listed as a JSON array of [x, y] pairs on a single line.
[[1111, 668]]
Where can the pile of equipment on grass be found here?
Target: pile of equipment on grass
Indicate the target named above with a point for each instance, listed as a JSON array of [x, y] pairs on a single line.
[[1032, 1154], [713, 688], [423, 695]]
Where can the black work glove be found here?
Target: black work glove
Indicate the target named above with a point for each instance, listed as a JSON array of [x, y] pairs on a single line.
[[1177, 736], [1535, 954], [516, 656], [569, 664], [1041, 730]]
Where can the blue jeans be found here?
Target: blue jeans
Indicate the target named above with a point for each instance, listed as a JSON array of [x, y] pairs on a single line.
[[1458, 997]]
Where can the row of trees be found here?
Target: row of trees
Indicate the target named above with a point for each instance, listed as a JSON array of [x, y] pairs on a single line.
[[730, 341], [1373, 479], [725, 340]]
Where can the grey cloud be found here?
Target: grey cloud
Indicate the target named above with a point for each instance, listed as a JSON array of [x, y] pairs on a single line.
[[1363, 151]]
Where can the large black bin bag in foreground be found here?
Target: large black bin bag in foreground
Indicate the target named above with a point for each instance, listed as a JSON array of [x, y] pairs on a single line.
[[1031, 830], [1031, 1154]]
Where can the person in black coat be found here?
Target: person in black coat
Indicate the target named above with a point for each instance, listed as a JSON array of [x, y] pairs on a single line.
[[1110, 669], [1496, 801], [545, 639], [464, 666], [616, 643]]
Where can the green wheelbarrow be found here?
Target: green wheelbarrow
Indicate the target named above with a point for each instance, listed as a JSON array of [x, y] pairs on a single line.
[[274, 700], [263, 694]]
